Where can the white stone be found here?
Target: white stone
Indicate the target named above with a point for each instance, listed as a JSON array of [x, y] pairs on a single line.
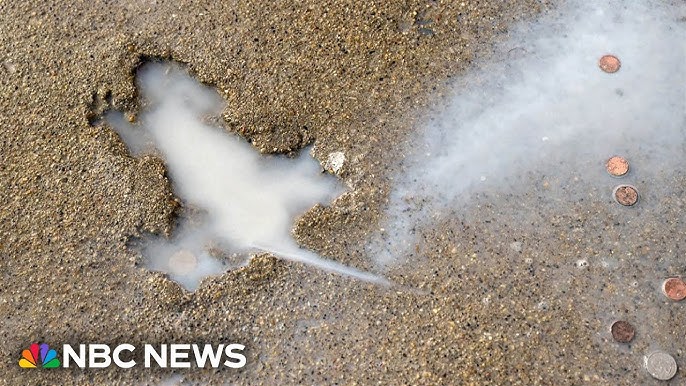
[[335, 161]]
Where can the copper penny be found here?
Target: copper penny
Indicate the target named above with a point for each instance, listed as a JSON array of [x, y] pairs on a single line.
[[609, 64], [674, 288], [622, 331], [626, 195], [617, 166]]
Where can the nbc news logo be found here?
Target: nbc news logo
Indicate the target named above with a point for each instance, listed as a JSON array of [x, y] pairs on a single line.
[[40, 355]]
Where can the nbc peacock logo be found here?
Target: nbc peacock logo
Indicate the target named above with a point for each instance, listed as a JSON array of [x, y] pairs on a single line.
[[39, 355]]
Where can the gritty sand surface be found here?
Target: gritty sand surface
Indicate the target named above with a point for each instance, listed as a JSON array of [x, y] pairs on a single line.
[[496, 298]]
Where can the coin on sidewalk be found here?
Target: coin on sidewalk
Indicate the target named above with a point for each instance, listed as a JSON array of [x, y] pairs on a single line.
[[674, 288], [617, 166], [626, 195], [622, 331], [609, 63], [182, 262], [661, 365]]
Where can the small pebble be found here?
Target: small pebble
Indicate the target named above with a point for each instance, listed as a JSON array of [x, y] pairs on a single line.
[[334, 161]]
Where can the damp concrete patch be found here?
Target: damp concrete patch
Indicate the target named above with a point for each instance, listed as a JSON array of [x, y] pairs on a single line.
[[245, 202], [543, 105]]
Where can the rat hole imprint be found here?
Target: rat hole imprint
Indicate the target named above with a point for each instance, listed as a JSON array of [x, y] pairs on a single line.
[[248, 202]]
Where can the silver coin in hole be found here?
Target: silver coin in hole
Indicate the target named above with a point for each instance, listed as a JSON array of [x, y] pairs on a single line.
[[661, 365]]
